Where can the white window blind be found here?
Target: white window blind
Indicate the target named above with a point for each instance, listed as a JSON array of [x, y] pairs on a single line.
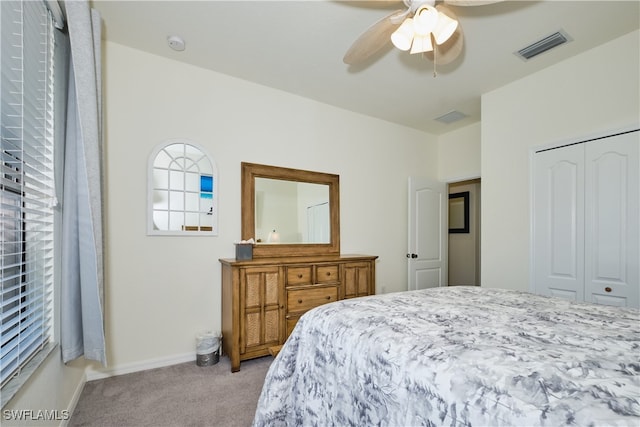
[[26, 183]]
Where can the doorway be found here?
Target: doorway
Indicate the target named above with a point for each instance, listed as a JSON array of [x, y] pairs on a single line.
[[464, 243]]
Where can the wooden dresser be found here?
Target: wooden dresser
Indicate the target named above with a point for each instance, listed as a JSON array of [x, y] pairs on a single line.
[[262, 299]]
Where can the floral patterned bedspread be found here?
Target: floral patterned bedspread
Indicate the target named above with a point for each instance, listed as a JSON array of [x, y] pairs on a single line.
[[457, 356]]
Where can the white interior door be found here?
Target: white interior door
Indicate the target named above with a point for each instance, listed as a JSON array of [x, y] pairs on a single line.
[[428, 232]]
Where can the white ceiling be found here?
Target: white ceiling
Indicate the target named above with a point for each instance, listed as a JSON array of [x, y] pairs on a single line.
[[297, 47]]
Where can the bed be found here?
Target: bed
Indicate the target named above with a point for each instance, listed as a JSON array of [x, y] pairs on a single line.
[[457, 356]]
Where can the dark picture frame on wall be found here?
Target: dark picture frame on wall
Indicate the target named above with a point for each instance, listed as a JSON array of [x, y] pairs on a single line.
[[459, 212]]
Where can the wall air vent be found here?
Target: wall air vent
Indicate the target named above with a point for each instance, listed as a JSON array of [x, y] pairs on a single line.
[[549, 42], [450, 117]]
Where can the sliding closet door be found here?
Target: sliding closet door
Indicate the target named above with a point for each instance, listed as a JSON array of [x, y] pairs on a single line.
[[611, 237], [586, 227], [558, 222]]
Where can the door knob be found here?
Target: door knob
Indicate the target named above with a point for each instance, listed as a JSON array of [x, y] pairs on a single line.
[[412, 255]]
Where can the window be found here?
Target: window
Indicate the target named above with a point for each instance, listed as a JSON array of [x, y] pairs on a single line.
[[183, 190], [26, 186]]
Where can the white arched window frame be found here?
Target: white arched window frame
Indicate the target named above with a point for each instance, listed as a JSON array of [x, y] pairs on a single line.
[[182, 190]]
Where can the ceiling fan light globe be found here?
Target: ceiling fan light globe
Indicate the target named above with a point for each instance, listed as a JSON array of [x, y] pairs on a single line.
[[422, 44], [425, 20], [403, 36], [445, 28]]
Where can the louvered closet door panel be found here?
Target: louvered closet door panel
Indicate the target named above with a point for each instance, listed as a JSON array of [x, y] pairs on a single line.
[[558, 222], [612, 220]]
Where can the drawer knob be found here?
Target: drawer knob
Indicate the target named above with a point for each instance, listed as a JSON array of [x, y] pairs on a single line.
[[328, 297], [328, 273], [299, 301], [608, 289], [299, 276]]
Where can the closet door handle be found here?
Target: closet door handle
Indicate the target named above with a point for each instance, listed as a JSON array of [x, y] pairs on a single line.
[[608, 289]]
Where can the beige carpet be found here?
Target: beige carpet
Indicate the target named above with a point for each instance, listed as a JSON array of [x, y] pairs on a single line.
[[178, 395]]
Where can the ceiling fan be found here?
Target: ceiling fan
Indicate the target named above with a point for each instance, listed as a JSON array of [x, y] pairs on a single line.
[[424, 27]]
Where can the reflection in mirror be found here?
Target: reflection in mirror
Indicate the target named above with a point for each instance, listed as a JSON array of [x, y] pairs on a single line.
[[183, 193], [291, 212]]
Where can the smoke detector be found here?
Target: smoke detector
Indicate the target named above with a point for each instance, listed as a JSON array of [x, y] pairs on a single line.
[[176, 43]]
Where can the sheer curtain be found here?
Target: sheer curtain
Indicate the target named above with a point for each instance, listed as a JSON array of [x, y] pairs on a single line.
[[82, 284]]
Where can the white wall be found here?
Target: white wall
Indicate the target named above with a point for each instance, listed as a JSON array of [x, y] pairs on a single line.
[[162, 290], [459, 154], [590, 93]]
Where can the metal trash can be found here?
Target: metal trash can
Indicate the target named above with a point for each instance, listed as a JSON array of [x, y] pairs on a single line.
[[207, 349]]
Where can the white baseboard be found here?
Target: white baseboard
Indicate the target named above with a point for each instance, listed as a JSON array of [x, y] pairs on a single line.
[[127, 368]]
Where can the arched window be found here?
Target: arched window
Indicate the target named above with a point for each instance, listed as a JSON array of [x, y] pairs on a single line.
[[183, 190]]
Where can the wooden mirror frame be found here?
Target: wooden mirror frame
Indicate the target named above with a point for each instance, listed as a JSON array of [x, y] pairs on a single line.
[[250, 171]]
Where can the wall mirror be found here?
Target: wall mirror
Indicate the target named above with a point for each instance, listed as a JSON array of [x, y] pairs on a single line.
[[459, 212], [183, 190], [290, 212]]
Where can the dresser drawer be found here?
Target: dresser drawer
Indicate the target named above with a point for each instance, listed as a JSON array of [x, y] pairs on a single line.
[[299, 275], [327, 274], [302, 300]]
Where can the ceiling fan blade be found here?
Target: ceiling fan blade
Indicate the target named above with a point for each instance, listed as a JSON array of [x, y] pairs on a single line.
[[470, 2], [374, 38], [448, 51], [373, 3]]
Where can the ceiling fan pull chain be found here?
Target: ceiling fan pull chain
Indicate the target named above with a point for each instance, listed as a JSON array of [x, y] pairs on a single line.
[[435, 74]]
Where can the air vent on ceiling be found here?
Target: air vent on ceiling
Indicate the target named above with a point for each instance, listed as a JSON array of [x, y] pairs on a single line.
[[549, 42], [450, 117]]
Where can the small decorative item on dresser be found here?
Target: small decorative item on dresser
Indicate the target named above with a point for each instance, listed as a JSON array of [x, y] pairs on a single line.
[[244, 250]]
